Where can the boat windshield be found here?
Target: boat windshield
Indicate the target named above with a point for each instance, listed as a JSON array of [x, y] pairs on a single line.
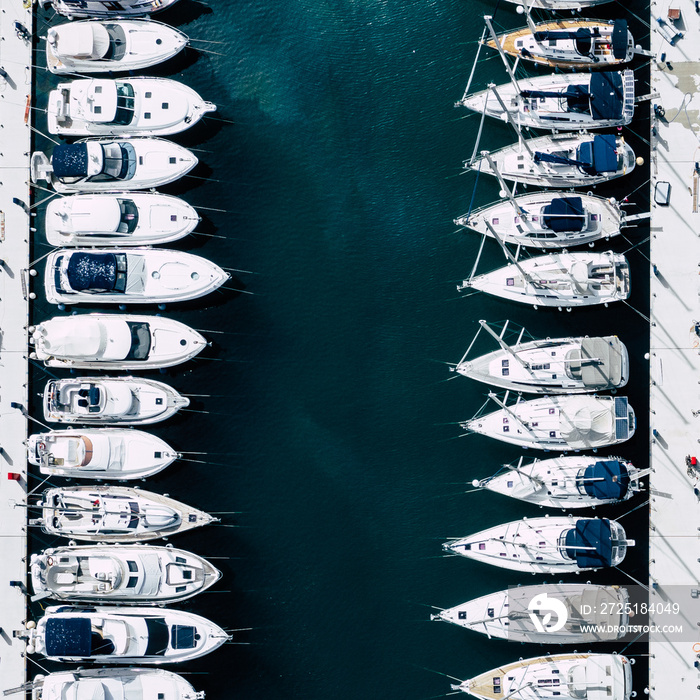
[[125, 104], [129, 216], [117, 43], [140, 341], [158, 636], [119, 162]]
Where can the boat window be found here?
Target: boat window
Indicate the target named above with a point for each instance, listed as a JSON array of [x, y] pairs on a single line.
[[140, 341], [119, 162], [117, 43], [133, 580], [125, 104], [133, 566], [129, 218]]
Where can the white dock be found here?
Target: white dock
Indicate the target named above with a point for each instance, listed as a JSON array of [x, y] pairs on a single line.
[[675, 349], [15, 89]]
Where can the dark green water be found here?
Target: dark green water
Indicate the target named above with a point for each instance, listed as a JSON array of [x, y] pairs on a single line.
[[336, 153]]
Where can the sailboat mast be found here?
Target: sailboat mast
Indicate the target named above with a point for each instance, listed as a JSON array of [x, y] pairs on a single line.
[[504, 346], [509, 119], [509, 255], [518, 209]]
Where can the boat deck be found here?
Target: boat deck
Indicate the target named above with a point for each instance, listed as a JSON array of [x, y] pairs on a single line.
[[15, 145], [675, 353]]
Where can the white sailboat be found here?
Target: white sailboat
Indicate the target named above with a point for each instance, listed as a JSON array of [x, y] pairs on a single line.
[[590, 613], [567, 482], [549, 366], [549, 545], [556, 5], [558, 422]]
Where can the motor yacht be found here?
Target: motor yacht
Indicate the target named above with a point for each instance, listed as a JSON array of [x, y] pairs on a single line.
[[99, 453], [114, 514], [118, 45], [107, 8]]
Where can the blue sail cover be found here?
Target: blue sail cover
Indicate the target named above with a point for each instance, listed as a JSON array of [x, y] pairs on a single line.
[[544, 157], [619, 38], [616, 479], [564, 214], [607, 95], [92, 271], [68, 636], [590, 533], [598, 156], [70, 160]]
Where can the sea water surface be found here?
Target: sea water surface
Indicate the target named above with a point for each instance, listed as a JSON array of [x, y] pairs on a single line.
[[332, 172]]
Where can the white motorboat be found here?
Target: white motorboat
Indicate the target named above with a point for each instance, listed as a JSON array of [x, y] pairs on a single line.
[[567, 482], [111, 400], [125, 574], [547, 545], [570, 43], [560, 280], [102, 46], [105, 165], [118, 219], [550, 366], [564, 676], [114, 635], [114, 341], [548, 219], [558, 422], [113, 683], [99, 453], [134, 106], [562, 160], [128, 276], [585, 613], [107, 8], [561, 101], [115, 514]]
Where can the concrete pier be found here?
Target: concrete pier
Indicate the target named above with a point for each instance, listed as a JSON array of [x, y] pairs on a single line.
[[15, 145]]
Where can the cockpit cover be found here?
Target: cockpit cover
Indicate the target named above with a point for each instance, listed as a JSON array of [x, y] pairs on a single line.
[[598, 155], [607, 95], [68, 636], [70, 160], [564, 214], [615, 479], [619, 38], [601, 362], [92, 271], [590, 543]]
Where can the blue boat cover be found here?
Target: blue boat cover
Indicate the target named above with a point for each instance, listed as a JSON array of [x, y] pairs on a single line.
[[598, 156], [92, 271], [564, 214], [593, 533], [619, 38], [544, 157], [616, 479], [68, 636], [607, 95], [70, 160]]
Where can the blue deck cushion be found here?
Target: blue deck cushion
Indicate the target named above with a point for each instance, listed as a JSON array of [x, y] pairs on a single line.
[[590, 533], [598, 156], [616, 479], [68, 636], [607, 95], [619, 38], [564, 214], [92, 271], [158, 636], [70, 160]]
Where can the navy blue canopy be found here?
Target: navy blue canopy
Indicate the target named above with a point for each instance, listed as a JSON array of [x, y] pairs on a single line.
[[92, 271], [607, 95], [564, 214], [590, 543], [619, 38], [611, 479], [544, 157], [68, 636], [70, 160], [598, 156]]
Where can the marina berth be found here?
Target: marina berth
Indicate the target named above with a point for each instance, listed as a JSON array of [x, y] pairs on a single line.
[[128, 276], [102, 46], [111, 341], [116, 635], [110, 400], [564, 676], [567, 482], [570, 43], [561, 160], [590, 613], [105, 165], [549, 545], [99, 453], [118, 219], [107, 8], [114, 514], [113, 683], [548, 220], [134, 106], [551, 365], [126, 574], [561, 101], [560, 280], [558, 422]]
